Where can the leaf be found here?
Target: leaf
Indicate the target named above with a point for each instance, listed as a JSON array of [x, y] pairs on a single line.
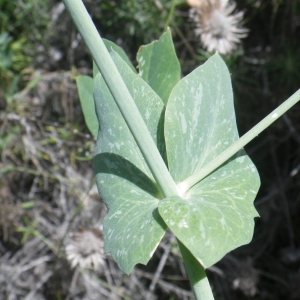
[[200, 119], [85, 92], [159, 65], [110, 46], [133, 227], [216, 215]]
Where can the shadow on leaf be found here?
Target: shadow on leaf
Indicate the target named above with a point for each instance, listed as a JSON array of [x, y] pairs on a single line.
[[110, 163]]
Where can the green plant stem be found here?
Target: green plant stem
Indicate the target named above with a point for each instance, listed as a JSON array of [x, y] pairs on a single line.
[[121, 95], [199, 282], [240, 143], [170, 15]]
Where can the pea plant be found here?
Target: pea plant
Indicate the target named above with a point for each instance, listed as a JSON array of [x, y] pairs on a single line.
[[168, 153]]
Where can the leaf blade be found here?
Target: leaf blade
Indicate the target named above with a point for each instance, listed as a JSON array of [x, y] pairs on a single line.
[[132, 228], [159, 65], [216, 215], [200, 119], [85, 92], [123, 178]]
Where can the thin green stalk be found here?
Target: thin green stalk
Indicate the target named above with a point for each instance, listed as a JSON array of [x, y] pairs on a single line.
[[240, 143], [199, 282], [170, 15], [121, 95]]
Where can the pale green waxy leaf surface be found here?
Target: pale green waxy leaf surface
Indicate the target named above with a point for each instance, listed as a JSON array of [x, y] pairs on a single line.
[[216, 215], [85, 92], [200, 119], [159, 65], [133, 227]]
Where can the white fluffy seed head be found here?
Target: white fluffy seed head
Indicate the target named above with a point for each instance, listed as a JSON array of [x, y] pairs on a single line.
[[85, 249], [217, 26]]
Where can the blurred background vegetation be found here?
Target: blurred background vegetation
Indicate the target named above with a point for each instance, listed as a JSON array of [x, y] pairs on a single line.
[[46, 181]]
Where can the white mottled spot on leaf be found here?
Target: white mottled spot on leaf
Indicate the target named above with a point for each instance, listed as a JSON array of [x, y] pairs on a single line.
[[217, 144], [183, 122], [198, 100], [222, 221], [147, 114], [111, 164], [142, 61], [182, 224], [207, 243], [109, 131], [202, 230], [120, 253], [178, 211], [135, 192], [240, 159]]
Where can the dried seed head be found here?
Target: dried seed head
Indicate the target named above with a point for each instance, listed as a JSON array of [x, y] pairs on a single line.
[[85, 249], [216, 24]]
